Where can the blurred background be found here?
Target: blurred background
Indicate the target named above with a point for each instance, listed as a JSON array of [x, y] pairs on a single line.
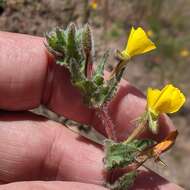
[[167, 22]]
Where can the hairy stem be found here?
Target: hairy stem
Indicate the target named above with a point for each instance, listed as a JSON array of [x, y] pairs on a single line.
[[136, 132], [107, 122]]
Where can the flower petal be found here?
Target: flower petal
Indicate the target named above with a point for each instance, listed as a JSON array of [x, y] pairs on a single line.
[[152, 96], [177, 100], [124, 52], [139, 43], [131, 34], [169, 100]]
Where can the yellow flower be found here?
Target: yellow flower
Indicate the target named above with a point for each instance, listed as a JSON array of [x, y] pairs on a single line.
[[184, 53], [93, 4], [167, 100], [138, 43]]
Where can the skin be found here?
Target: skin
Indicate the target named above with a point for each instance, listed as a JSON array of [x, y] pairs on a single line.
[[37, 153]]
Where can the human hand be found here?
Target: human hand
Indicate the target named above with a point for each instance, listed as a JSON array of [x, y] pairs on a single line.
[[44, 152]]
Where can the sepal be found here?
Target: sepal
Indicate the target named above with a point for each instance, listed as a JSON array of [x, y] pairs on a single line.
[[153, 122]]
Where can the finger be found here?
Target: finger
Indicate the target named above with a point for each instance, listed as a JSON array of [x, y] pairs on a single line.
[[26, 79], [23, 61], [24, 83], [40, 185], [33, 148]]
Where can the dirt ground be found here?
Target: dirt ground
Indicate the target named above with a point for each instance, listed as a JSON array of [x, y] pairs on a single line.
[[36, 17]]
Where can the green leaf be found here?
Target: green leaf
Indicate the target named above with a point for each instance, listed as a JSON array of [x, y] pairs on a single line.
[[86, 86], [112, 83], [61, 40], [98, 75], [123, 154], [74, 67], [99, 95], [124, 182], [62, 62], [53, 51], [73, 50], [51, 38], [87, 40], [2, 4], [56, 42], [112, 89]]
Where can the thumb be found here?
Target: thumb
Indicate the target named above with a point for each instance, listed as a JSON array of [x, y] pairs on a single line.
[[40, 185]]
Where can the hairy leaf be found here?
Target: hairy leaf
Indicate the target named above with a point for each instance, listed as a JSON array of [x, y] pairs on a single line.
[[123, 154], [98, 75], [73, 49], [87, 40], [124, 182]]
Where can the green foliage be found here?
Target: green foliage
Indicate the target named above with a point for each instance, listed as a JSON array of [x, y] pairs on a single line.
[[2, 4], [74, 49], [123, 154], [87, 41], [124, 182]]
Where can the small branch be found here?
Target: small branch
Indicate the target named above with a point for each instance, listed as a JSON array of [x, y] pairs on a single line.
[[107, 122], [136, 132], [89, 67]]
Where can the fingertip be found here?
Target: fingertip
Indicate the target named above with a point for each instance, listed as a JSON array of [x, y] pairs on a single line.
[[51, 185]]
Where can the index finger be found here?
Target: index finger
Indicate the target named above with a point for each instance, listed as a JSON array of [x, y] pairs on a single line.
[[56, 153], [25, 78], [23, 69], [26, 81]]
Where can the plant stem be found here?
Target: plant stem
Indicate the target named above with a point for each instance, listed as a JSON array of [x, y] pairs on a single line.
[[137, 131], [107, 122], [103, 110]]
